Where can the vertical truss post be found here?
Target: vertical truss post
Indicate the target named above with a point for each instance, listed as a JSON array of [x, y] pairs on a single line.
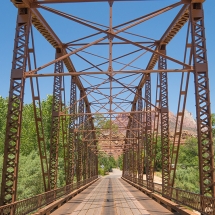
[[40, 132], [127, 163], [156, 123], [89, 168], [95, 160], [72, 134], [91, 150], [85, 137], [132, 150], [125, 160], [140, 140], [124, 164], [93, 163], [38, 116], [134, 145], [180, 114], [89, 164], [15, 106], [127, 155], [144, 139], [34, 82], [86, 144], [164, 123], [149, 154], [96, 168], [203, 112], [130, 154], [55, 124], [79, 140], [64, 131]]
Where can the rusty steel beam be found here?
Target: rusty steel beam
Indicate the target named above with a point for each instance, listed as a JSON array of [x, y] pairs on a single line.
[[99, 44], [40, 132], [203, 111], [140, 136], [55, 123], [84, 146], [38, 116], [64, 131], [145, 72], [79, 165], [72, 133], [15, 107], [165, 149], [148, 135], [76, 1], [134, 145], [156, 124]]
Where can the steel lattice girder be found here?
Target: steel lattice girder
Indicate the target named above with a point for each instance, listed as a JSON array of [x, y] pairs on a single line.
[[15, 106], [79, 140], [203, 112], [55, 124], [164, 124], [148, 134], [140, 135], [72, 134]]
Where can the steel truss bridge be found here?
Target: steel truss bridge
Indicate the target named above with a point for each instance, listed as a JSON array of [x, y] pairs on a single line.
[[109, 86]]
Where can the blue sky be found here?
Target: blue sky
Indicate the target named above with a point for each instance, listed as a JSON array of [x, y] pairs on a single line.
[[98, 12]]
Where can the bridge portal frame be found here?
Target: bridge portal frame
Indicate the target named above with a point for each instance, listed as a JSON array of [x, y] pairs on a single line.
[[191, 11]]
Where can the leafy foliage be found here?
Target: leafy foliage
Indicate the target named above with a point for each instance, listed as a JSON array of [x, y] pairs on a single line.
[[213, 123], [107, 161], [30, 181], [158, 158], [187, 174], [101, 122], [120, 162], [3, 116]]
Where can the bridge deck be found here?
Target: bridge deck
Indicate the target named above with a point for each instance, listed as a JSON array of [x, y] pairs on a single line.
[[111, 196]]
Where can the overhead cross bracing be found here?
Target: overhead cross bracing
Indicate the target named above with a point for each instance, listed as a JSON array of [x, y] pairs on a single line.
[[111, 69]]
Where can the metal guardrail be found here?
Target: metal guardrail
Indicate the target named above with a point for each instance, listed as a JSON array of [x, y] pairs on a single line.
[[29, 205], [203, 204]]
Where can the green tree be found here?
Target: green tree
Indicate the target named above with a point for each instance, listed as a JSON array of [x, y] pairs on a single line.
[[187, 174], [120, 162], [213, 123], [101, 122], [107, 161], [30, 176], [3, 117], [158, 157], [188, 154], [28, 132]]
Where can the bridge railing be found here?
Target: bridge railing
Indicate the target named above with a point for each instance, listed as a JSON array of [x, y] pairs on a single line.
[[200, 203], [32, 204]]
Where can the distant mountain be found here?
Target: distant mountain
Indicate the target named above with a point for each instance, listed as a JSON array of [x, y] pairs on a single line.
[[114, 148], [189, 123]]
